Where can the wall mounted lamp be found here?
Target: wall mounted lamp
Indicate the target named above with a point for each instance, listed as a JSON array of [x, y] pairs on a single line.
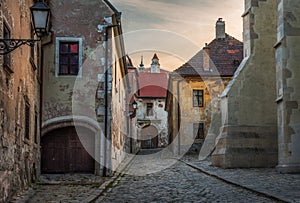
[[40, 14]]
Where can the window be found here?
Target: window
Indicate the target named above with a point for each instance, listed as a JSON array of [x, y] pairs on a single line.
[[198, 98], [6, 57], [149, 109], [27, 120], [68, 56], [198, 131]]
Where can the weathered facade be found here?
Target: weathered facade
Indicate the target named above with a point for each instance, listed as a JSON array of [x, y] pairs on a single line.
[[256, 132], [194, 88], [133, 144], [83, 65], [288, 85], [249, 132], [151, 114], [19, 102]]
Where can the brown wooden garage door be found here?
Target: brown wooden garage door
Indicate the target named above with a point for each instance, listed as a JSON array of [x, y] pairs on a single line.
[[62, 151]]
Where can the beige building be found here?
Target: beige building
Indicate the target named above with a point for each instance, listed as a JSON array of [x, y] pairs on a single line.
[[193, 90], [256, 132], [19, 102], [84, 90]]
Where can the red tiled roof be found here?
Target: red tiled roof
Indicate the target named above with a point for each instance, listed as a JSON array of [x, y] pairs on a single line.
[[225, 56], [153, 84], [155, 57]]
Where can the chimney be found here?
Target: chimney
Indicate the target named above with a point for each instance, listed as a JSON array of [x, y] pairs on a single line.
[[220, 29], [206, 57]]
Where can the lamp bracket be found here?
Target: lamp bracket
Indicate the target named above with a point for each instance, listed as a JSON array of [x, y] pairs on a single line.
[[8, 45]]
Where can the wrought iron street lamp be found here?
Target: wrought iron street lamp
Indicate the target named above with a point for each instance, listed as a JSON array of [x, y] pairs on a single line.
[[40, 13], [134, 105]]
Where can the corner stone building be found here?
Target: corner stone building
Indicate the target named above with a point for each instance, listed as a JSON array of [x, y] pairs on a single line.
[[19, 102], [256, 132]]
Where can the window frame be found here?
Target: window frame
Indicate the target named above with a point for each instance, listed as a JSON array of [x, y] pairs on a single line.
[[6, 33], [60, 40], [149, 111], [198, 96]]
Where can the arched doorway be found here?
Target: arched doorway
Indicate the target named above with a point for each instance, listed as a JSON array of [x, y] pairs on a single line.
[[63, 152], [149, 137]]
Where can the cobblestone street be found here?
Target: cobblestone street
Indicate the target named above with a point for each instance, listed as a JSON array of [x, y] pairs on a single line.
[[179, 183], [152, 176]]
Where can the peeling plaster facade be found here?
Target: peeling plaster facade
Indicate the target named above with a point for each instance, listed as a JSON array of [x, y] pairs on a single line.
[[84, 100], [158, 120], [19, 87]]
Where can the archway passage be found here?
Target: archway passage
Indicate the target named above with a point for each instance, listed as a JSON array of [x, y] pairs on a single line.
[[149, 137], [63, 152]]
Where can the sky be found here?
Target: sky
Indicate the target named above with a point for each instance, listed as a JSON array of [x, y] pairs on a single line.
[[174, 29]]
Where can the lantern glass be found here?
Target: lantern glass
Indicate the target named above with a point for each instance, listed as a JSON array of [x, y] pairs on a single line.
[[134, 105], [40, 16]]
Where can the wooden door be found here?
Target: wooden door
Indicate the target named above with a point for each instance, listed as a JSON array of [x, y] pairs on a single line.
[[63, 152]]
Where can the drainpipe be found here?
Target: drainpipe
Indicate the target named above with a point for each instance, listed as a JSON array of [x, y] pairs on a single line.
[[178, 115], [106, 106]]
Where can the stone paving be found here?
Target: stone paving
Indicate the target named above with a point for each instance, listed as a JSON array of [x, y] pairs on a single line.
[[153, 177], [63, 188], [178, 183], [285, 187]]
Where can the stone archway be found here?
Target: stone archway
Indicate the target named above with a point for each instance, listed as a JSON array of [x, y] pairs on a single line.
[[149, 136], [69, 145]]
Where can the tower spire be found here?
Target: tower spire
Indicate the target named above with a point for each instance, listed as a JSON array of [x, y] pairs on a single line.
[[142, 66]]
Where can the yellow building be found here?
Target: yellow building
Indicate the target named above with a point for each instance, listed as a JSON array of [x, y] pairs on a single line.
[[194, 87]]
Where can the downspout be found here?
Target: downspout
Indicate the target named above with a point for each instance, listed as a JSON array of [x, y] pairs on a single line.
[[178, 116], [105, 105], [107, 134]]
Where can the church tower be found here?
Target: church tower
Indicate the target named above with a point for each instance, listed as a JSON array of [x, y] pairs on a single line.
[[155, 66]]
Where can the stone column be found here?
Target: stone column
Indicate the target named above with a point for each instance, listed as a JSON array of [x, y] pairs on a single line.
[[288, 85], [248, 135]]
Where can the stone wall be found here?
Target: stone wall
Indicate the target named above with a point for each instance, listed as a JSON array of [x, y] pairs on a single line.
[[288, 84], [19, 84], [249, 131]]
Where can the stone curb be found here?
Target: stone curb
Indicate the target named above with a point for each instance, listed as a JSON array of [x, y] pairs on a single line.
[[235, 183]]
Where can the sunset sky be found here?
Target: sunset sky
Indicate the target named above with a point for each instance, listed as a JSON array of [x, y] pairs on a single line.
[[174, 29]]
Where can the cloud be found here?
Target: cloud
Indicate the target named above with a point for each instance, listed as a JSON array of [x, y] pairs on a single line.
[[194, 19]]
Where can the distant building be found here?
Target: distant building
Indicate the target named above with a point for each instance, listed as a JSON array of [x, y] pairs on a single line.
[[20, 78], [194, 87], [152, 118]]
